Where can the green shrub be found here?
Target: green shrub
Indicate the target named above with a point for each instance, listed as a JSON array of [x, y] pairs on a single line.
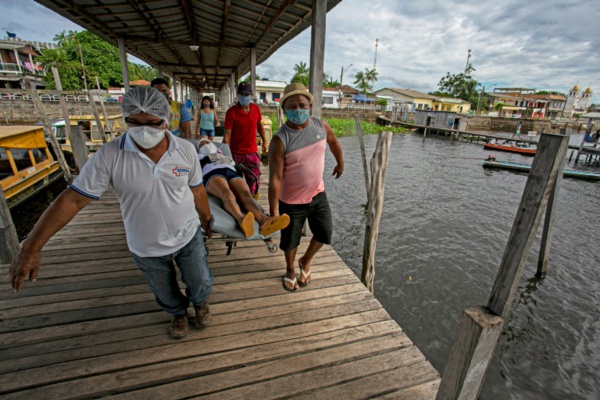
[[347, 127]]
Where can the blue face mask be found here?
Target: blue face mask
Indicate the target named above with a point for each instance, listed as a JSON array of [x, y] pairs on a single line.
[[297, 117], [244, 100]]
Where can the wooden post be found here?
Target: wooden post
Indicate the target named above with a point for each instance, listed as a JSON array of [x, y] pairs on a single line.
[[472, 349], [378, 168], [317, 54], [102, 102], [49, 133], [547, 165], [548, 231], [124, 69], [253, 73], [8, 234], [77, 142], [478, 331], [364, 156], [97, 118]]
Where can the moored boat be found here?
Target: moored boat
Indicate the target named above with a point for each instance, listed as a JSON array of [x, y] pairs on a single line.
[[570, 173], [26, 163], [510, 148]]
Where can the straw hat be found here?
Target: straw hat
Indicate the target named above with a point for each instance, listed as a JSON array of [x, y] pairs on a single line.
[[294, 89]]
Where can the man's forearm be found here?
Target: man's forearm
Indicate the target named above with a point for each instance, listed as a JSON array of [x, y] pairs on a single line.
[[274, 193], [60, 212]]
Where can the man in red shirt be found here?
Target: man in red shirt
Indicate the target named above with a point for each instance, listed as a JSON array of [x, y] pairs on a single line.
[[242, 121]]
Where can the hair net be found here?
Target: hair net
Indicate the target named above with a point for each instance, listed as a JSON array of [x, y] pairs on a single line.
[[144, 99]]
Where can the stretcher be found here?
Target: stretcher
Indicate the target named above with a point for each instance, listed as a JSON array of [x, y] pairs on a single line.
[[224, 227]]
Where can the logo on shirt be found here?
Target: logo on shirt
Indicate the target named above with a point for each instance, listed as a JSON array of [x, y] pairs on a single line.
[[181, 171]]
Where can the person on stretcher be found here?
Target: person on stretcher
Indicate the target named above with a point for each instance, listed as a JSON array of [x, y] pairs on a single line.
[[222, 181]]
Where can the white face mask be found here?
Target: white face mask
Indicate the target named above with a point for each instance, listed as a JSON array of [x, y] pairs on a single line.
[[208, 148], [146, 136]]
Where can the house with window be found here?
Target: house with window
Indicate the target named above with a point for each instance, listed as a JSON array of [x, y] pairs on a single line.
[[422, 101], [330, 99], [17, 66], [415, 100], [267, 91], [345, 94]]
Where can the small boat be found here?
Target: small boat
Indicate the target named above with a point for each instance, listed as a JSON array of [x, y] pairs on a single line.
[[92, 135], [511, 148], [26, 163], [570, 173]]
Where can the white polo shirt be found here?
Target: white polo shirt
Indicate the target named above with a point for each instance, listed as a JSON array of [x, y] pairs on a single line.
[[156, 201]]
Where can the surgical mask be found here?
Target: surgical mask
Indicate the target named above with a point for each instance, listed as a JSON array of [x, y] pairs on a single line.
[[297, 117], [244, 100], [208, 148], [146, 136]]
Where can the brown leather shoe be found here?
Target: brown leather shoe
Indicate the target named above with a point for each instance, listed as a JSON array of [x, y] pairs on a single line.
[[203, 316], [179, 326]]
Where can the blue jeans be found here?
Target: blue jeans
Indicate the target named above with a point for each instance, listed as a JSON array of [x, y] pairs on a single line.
[[161, 276]]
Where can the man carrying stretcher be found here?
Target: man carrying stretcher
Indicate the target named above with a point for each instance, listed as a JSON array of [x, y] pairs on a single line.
[[222, 181]]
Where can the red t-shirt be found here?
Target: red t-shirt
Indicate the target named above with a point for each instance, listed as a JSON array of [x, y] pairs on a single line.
[[243, 128]]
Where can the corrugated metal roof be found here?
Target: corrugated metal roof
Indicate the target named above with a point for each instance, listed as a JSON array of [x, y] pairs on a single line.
[[161, 32]]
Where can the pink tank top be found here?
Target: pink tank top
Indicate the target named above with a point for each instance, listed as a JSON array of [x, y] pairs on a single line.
[[304, 162]]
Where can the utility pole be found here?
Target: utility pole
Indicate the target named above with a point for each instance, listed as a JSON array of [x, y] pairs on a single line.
[[342, 73], [375, 62]]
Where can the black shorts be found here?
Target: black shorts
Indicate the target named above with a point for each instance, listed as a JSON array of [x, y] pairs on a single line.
[[225, 173], [319, 217]]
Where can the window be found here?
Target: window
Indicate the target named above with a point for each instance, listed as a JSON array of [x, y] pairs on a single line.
[[263, 96], [419, 106], [275, 96], [327, 100]]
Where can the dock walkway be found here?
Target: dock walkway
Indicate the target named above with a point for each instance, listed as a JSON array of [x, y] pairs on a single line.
[[90, 328]]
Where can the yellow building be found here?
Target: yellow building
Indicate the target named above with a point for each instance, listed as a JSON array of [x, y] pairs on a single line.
[[451, 105], [423, 101]]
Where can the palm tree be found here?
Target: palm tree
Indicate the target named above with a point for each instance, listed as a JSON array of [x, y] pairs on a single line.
[[364, 79], [301, 68]]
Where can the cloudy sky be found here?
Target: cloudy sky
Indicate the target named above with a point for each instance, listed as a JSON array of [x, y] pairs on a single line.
[[546, 45]]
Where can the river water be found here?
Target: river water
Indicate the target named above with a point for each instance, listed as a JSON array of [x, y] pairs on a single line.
[[443, 231]]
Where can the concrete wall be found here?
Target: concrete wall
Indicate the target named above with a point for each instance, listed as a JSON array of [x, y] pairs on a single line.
[[23, 112]]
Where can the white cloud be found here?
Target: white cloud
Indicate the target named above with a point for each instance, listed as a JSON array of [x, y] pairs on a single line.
[[547, 45]]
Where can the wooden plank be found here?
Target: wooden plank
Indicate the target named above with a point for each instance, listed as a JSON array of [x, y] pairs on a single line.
[[180, 350], [237, 309], [174, 371], [328, 383], [153, 336], [123, 294], [425, 391]]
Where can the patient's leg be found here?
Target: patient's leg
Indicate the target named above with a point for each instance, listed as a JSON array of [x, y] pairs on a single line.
[[240, 189], [219, 188]]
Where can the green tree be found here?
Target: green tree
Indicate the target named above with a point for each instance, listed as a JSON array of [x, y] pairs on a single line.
[[460, 86], [363, 79], [100, 59], [302, 74], [329, 81]]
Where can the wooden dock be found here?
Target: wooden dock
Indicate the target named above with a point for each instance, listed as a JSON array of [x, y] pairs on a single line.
[[90, 328]]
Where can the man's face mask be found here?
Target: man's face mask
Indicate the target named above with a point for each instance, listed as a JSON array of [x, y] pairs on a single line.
[[146, 136], [208, 148], [297, 116], [244, 100]]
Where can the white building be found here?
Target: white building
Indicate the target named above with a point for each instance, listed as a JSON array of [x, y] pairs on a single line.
[[577, 102], [331, 99], [267, 91]]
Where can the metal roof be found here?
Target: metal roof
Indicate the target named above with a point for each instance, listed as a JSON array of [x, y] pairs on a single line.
[[160, 32]]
